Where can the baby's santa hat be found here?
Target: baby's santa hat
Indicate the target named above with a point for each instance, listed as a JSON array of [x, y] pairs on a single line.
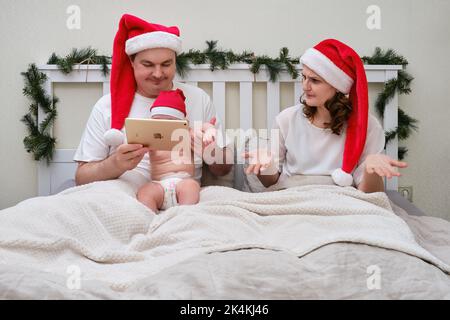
[[134, 35], [341, 67], [169, 103]]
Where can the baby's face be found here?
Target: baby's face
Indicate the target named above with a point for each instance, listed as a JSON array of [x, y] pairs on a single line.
[[163, 116]]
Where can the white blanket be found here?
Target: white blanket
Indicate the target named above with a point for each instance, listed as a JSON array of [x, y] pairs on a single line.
[[102, 230]]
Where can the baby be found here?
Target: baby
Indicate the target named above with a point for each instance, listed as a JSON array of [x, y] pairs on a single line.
[[172, 182]]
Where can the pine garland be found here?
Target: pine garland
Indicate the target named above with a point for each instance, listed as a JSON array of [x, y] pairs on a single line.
[[77, 57], [39, 141], [401, 85], [42, 144], [221, 59]]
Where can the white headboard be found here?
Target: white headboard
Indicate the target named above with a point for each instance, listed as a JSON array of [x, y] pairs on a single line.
[[59, 174]]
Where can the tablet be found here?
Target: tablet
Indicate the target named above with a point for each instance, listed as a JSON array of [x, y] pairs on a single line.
[[156, 133]]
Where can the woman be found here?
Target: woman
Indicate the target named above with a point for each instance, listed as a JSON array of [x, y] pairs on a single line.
[[331, 131]]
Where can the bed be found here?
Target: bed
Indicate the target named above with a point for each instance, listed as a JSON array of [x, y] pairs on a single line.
[[303, 238]]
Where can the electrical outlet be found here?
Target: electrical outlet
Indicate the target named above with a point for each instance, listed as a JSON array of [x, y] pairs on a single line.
[[407, 192]]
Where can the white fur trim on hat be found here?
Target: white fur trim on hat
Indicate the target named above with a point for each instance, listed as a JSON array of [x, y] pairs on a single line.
[[342, 178], [151, 40], [167, 111], [325, 68], [114, 137]]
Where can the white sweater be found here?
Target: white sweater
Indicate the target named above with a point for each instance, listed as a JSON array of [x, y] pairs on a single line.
[[309, 150]]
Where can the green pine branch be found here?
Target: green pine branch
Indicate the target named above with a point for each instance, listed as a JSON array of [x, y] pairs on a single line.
[[388, 57], [39, 141], [222, 59], [30, 121], [406, 125], [47, 124], [402, 152], [34, 81], [274, 66], [84, 56], [182, 63], [400, 85], [289, 62]]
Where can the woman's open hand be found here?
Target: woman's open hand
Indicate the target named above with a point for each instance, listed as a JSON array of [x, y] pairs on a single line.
[[261, 162], [383, 165]]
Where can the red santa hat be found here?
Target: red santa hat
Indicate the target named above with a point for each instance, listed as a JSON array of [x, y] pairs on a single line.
[[134, 35], [170, 103], [341, 67]]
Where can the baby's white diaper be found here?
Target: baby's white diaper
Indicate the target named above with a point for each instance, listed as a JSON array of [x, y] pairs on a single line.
[[169, 184]]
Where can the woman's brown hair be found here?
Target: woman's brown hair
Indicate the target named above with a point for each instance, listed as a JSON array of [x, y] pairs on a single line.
[[340, 108]]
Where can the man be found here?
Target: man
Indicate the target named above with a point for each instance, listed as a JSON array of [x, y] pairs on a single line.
[[144, 63]]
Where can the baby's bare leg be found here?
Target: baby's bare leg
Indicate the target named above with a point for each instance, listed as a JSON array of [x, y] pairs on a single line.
[[188, 191], [152, 195]]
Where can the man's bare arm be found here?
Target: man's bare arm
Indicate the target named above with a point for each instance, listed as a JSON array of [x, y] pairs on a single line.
[[127, 157], [88, 172]]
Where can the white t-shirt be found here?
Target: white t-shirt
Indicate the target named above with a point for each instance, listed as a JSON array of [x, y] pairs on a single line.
[[92, 146], [309, 150]]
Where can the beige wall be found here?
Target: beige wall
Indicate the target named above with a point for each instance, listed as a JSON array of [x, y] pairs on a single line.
[[31, 30]]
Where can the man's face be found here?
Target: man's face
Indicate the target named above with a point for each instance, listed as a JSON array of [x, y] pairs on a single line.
[[154, 70]]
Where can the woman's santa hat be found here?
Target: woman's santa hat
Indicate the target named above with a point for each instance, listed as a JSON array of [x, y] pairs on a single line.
[[169, 103], [341, 67], [134, 35]]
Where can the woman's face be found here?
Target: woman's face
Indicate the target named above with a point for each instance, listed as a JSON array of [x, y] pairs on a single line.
[[316, 90]]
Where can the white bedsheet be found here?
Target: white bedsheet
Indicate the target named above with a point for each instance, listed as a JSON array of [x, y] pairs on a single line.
[[102, 229]]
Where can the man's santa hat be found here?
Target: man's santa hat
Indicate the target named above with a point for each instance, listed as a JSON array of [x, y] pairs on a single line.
[[341, 67], [169, 103], [134, 35]]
